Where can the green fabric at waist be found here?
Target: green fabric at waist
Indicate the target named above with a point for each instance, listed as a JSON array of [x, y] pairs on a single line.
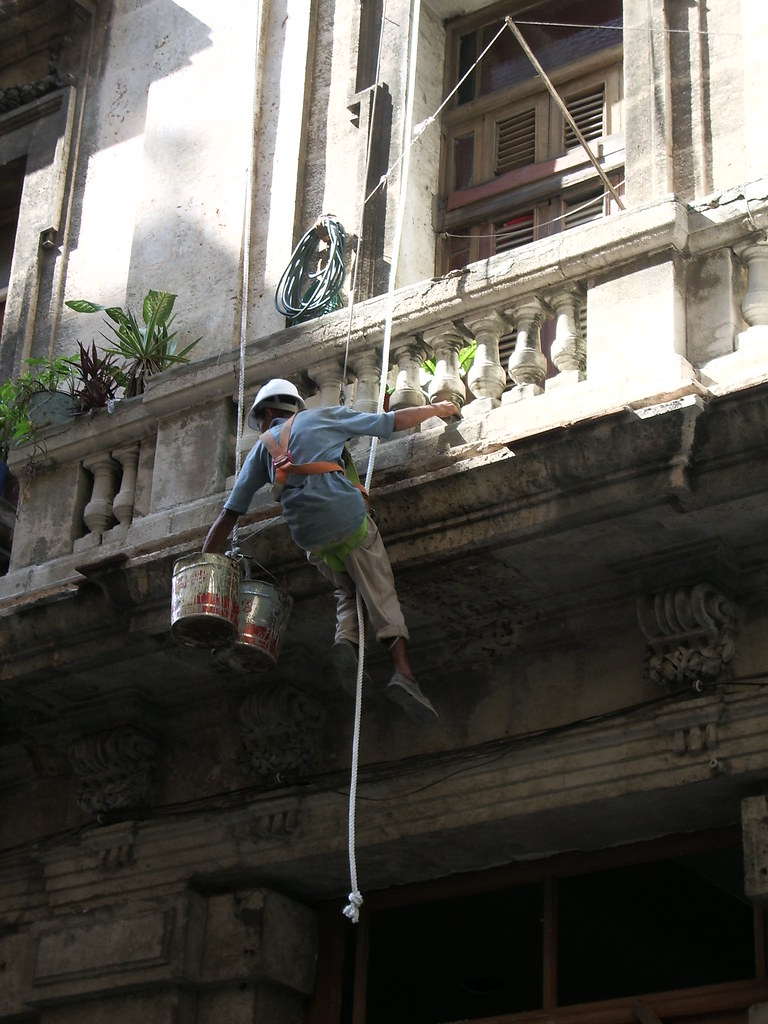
[[334, 554]]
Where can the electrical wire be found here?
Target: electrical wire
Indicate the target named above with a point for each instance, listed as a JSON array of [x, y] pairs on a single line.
[[630, 28], [541, 224], [304, 293], [493, 751]]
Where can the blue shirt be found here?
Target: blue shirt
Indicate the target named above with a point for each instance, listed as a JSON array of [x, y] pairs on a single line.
[[325, 507]]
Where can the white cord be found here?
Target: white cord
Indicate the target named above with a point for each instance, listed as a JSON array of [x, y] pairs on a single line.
[[352, 909], [246, 272]]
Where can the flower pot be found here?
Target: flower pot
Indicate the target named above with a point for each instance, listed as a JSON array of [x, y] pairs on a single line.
[[49, 408]]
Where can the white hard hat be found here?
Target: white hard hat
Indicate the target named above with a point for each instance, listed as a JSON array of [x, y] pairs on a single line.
[[276, 394]]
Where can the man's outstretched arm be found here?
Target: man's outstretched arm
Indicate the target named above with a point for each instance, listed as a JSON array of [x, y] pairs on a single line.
[[413, 415], [218, 535]]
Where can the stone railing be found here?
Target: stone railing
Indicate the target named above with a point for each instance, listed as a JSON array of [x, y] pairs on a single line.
[[155, 471]]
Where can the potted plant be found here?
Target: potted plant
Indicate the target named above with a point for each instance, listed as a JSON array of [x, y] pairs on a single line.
[[9, 426], [16, 427], [47, 390], [42, 396], [95, 379], [146, 349]]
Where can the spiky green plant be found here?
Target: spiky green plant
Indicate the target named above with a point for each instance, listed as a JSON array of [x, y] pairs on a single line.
[[146, 349]]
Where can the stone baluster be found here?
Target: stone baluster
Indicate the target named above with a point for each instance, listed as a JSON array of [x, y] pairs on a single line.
[[754, 305], [367, 370], [408, 390], [487, 378], [122, 506], [446, 386], [327, 376], [97, 514], [569, 350], [527, 364]]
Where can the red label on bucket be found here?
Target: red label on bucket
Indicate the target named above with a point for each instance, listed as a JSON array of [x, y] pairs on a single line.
[[216, 604], [261, 637]]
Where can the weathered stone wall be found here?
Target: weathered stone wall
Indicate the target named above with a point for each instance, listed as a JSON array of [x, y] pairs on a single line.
[[582, 566]]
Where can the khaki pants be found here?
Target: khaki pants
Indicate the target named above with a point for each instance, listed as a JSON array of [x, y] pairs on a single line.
[[369, 570]]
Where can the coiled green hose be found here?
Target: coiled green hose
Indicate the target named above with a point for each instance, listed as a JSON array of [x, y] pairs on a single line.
[[303, 293]]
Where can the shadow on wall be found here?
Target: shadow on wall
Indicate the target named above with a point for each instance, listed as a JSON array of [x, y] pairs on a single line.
[[182, 235]]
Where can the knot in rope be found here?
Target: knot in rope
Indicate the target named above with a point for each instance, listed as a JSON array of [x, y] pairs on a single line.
[[352, 909]]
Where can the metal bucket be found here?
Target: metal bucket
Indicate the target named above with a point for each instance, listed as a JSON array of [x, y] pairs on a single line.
[[204, 600], [264, 614]]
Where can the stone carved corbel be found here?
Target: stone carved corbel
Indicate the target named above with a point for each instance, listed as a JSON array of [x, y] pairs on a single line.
[[117, 769], [277, 726], [690, 633]]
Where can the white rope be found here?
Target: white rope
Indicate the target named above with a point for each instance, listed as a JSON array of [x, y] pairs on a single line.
[[352, 909], [361, 215], [246, 263], [420, 128]]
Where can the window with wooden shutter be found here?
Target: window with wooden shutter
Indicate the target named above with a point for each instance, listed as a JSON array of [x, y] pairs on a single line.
[[515, 141], [514, 170], [588, 113]]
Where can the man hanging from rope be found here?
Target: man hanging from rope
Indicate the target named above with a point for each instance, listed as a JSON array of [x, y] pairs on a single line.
[[301, 451]]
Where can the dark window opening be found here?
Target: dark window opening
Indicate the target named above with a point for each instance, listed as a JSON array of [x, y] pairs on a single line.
[[463, 958], [665, 923], [654, 927], [368, 43], [11, 185]]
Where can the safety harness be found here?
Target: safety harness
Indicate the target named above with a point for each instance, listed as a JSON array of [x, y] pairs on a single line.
[[333, 554], [283, 461]]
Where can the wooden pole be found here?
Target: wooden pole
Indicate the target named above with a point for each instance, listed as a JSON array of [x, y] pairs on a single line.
[[564, 110]]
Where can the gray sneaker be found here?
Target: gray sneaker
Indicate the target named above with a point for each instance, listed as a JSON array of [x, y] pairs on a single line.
[[345, 663], [407, 693]]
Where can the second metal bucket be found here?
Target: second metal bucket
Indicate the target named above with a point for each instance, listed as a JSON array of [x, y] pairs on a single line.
[[264, 613], [205, 600]]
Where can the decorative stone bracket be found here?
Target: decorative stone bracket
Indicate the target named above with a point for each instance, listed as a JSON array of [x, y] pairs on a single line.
[[689, 632], [277, 726], [117, 769]]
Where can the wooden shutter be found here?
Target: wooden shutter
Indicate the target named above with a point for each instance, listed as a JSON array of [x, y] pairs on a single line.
[[583, 210], [514, 232], [515, 141], [588, 111]]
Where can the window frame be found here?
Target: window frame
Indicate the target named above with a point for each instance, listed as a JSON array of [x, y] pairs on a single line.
[[344, 954], [557, 170]]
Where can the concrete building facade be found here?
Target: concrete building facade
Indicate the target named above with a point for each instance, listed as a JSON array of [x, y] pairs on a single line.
[[582, 558]]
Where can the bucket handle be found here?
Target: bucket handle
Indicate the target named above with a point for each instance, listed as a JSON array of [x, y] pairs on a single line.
[[247, 563]]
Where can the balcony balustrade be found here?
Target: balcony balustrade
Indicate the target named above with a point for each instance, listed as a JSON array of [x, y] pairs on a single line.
[[154, 472]]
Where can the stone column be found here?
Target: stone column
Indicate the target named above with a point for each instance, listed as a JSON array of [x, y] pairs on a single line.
[[97, 514], [367, 369], [122, 506], [527, 364], [487, 378], [754, 304], [648, 102], [738, 353], [569, 350], [408, 390], [257, 940], [327, 376], [446, 385]]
